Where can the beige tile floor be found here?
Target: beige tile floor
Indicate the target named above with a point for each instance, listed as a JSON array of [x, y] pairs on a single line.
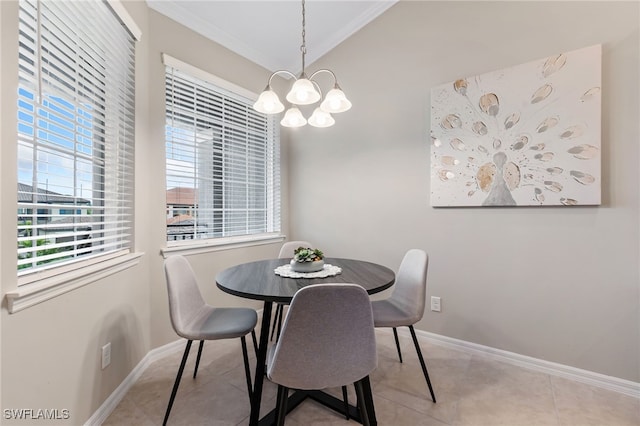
[[470, 390]]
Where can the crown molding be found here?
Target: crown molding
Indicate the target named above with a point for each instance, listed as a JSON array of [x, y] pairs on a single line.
[[178, 12]]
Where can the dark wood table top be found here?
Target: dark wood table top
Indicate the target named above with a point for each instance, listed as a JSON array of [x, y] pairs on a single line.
[[257, 280]]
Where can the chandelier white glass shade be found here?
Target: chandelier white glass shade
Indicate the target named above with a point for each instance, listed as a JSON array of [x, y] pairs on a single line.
[[335, 101], [304, 91], [293, 118], [268, 102], [321, 118]]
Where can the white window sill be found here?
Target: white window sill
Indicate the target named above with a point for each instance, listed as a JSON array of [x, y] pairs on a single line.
[[39, 291], [218, 244]]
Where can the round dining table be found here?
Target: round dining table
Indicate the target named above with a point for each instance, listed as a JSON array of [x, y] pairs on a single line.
[[258, 281]]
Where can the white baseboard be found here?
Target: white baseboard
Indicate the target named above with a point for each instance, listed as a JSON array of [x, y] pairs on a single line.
[[118, 394], [614, 384]]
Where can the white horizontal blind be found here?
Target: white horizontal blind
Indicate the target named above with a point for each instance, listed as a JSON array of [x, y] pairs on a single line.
[[75, 133], [223, 162]]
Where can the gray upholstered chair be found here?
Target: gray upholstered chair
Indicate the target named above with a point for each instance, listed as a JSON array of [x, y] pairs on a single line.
[[405, 307], [327, 340], [193, 319], [286, 252]]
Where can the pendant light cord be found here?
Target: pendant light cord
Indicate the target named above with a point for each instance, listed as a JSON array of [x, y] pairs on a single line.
[[303, 47]]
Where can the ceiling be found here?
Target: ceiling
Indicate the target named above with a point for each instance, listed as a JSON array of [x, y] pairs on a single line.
[[269, 32]]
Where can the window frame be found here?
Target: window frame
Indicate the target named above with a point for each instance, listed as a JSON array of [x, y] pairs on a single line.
[[40, 285], [203, 245]]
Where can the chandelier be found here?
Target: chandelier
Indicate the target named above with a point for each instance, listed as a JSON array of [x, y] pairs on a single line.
[[304, 91]]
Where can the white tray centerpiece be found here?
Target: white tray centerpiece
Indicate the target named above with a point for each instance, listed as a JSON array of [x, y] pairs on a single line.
[[307, 259]]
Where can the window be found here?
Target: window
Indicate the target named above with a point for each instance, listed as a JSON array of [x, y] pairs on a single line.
[[223, 161], [75, 133]]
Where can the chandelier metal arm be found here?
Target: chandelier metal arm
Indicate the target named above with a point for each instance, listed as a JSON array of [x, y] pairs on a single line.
[[335, 79], [280, 72]]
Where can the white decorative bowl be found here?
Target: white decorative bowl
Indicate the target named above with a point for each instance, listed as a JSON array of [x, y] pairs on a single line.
[[314, 266]]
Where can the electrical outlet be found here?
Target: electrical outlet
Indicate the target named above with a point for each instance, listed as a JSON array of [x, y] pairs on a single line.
[[106, 355], [435, 304]]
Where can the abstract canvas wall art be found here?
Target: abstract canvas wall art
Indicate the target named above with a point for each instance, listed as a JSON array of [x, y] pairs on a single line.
[[528, 135]]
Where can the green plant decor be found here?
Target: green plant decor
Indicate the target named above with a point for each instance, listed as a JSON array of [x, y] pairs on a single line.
[[306, 254]]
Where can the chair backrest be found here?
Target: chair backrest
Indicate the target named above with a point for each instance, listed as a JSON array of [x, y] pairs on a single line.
[[410, 289], [286, 251], [185, 299], [327, 339]]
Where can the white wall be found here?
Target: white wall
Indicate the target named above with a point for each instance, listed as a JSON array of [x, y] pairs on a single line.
[[560, 284]]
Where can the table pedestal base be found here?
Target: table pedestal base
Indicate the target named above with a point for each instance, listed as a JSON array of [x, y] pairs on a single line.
[[297, 397]]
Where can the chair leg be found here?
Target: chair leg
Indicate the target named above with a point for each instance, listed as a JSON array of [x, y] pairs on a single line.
[[247, 370], [345, 399], [280, 321], [364, 409], [255, 341], [195, 370], [395, 335], [177, 382], [281, 404], [422, 364], [275, 319], [368, 398]]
